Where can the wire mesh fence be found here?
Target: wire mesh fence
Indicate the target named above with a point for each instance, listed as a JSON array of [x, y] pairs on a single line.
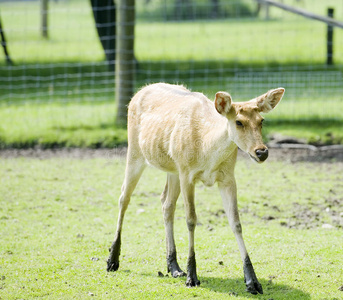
[[239, 46]]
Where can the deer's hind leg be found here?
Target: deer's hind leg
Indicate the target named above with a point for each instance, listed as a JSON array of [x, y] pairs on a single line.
[[168, 198], [134, 168]]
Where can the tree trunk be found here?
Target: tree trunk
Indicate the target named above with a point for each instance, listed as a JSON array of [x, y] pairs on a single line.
[[104, 12], [125, 64]]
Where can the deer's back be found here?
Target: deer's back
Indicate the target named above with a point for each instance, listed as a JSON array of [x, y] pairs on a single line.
[[168, 124]]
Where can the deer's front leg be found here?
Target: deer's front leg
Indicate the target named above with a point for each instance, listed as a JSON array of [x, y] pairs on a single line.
[[229, 196], [187, 190]]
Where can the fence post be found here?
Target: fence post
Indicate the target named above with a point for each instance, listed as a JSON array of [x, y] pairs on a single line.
[[125, 65], [44, 18], [329, 42]]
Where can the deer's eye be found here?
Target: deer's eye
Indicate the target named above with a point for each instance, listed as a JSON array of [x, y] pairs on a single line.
[[239, 123]]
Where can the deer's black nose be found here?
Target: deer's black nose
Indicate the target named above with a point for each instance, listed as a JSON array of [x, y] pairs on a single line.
[[262, 154]]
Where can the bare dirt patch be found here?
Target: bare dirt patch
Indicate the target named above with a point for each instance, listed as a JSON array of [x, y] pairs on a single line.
[[278, 152], [297, 153], [74, 153], [313, 215]]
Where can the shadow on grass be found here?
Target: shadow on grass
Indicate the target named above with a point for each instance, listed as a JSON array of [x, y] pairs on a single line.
[[313, 122], [100, 126], [236, 286]]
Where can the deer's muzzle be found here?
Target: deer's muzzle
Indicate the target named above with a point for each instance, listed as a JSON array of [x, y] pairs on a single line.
[[262, 154]]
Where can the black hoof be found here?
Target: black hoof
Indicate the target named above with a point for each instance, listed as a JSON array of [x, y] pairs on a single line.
[[254, 288], [250, 279], [192, 278], [190, 282], [112, 266]]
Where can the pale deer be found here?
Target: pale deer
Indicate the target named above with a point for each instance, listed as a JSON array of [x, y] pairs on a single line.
[[192, 139]]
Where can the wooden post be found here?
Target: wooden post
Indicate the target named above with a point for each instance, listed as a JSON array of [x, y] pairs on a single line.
[[125, 64], [44, 18], [267, 10], [329, 41]]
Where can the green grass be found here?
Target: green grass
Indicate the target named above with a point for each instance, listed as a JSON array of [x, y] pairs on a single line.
[[284, 39], [92, 125], [249, 41], [50, 126], [72, 33], [57, 227]]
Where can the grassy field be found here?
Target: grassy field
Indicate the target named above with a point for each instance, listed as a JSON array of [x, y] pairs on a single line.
[[51, 126], [285, 39], [60, 94], [57, 227], [58, 215], [92, 125]]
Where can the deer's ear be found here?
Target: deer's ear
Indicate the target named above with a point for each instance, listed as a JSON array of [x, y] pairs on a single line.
[[223, 102], [269, 100]]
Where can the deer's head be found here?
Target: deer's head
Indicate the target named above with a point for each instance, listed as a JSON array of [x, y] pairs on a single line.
[[245, 120]]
